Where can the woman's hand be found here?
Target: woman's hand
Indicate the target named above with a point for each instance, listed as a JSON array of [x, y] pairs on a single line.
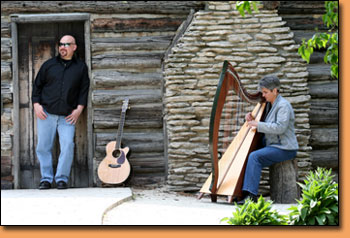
[[249, 117], [250, 120], [253, 124]]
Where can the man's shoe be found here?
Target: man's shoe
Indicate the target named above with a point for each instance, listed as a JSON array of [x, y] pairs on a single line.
[[61, 185], [44, 185], [250, 196]]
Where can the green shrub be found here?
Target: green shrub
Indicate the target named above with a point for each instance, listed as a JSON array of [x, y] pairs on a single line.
[[258, 213], [319, 203]]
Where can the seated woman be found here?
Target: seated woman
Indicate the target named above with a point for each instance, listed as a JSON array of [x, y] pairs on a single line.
[[279, 137]]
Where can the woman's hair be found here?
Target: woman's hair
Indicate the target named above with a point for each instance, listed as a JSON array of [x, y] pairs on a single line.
[[270, 82]]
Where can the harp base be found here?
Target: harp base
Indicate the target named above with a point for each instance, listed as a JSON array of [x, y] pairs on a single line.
[[213, 197]]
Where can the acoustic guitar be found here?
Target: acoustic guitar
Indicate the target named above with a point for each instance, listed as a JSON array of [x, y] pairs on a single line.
[[115, 168]]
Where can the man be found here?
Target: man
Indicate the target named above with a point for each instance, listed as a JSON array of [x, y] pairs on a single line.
[[279, 137], [59, 96]]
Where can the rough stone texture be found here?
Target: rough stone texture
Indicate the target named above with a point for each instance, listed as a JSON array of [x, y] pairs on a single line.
[[256, 45], [6, 105]]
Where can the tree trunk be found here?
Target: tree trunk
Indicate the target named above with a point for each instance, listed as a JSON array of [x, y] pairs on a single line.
[[283, 182]]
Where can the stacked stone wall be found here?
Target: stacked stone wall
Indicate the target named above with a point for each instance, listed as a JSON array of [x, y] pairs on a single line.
[[256, 45], [6, 105]]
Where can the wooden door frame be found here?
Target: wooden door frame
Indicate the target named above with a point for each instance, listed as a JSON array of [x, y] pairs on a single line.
[[39, 18]]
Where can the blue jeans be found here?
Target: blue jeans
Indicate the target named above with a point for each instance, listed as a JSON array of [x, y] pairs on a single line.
[[258, 159], [46, 130]]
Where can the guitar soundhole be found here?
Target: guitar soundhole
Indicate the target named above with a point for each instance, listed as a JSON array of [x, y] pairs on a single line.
[[116, 153]]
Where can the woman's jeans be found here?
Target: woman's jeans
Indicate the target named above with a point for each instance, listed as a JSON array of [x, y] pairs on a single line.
[[46, 130], [258, 159]]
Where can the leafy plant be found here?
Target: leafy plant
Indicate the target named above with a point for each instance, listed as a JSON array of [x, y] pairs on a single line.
[[319, 203], [246, 6], [324, 40], [258, 213]]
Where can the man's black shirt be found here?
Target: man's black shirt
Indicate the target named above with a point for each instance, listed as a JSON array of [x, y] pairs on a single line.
[[61, 85]]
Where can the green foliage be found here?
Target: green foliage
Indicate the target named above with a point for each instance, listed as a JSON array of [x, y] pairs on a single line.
[[319, 203], [246, 6], [258, 213], [325, 40], [330, 18]]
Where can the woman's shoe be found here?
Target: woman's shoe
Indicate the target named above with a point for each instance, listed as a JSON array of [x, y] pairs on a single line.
[[250, 196]]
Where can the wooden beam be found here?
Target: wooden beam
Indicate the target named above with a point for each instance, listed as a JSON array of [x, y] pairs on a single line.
[[53, 17], [16, 164]]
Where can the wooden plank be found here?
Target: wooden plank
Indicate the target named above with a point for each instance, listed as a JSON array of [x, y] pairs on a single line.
[[324, 90], [108, 7], [111, 79], [137, 62], [16, 125], [115, 97], [54, 17], [156, 39], [5, 49], [319, 72], [324, 112], [90, 142], [304, 22], [139, 142], [324, 137], [5, 27], [6, 72], [118, 47], [103, 25], [139, 116], [325, 158], [301, 7]]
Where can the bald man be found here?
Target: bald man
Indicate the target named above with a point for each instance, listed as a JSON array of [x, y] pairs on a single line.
[[60, 92]]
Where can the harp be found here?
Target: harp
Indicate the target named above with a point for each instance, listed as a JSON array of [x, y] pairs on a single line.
[[229, 136]]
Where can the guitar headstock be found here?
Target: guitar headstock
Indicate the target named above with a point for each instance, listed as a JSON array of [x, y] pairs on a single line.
[[125, 104]]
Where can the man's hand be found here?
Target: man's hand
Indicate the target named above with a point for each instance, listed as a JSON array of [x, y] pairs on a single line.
[[39, 111], [73, 117]]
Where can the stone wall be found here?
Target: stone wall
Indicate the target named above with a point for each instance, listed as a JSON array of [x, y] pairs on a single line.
[[256, 45], [6, 105]]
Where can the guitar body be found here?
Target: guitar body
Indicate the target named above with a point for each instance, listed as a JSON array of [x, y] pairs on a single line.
[[114, 168]]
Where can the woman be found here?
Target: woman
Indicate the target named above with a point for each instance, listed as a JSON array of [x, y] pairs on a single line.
[[279, 137]]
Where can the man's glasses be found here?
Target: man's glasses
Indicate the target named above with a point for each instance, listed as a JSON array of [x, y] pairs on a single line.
[[65, 44]]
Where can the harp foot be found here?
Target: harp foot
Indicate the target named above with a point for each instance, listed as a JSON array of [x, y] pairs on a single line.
[[229, 199], [200, 196], [213, 197]]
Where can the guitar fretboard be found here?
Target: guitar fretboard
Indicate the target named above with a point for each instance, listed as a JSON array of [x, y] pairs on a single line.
[[120, 131], [121, 124]]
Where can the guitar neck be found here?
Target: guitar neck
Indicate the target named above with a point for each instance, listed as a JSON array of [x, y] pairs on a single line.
[[120, 131]]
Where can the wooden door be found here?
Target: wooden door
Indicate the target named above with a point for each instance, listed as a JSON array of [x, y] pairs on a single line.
[[36, 44]]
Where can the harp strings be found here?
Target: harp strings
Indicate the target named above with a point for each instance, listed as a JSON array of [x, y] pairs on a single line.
[[232, 119]]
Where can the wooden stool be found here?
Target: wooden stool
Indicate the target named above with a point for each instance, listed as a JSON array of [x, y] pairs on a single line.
[[283, 178]]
